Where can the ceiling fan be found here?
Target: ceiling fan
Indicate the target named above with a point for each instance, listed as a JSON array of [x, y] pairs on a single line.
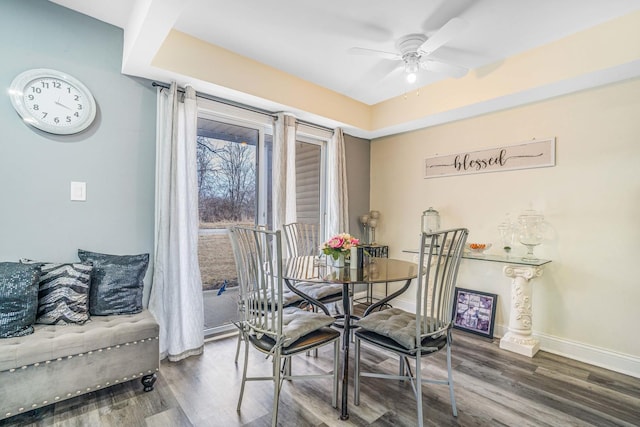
[[415, 50]]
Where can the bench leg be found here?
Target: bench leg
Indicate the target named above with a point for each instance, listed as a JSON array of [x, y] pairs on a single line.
[[148, 381]]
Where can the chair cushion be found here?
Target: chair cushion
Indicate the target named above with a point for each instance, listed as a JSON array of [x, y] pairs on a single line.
[[288, 297], [297, 323], [116, 282], [394, 323], [63, 295], [18, 298], [319, 290]]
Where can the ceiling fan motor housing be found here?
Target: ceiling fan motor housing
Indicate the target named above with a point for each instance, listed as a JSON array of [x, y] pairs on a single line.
[[409, 44]]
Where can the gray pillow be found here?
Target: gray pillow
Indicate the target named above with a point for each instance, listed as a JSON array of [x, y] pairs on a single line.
[[393, 323], [288, 296], [63, 295], [18, 298], [319, 290], [297, 323], [116, 282]]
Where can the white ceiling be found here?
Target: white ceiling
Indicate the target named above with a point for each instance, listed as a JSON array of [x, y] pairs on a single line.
[[311, 39]]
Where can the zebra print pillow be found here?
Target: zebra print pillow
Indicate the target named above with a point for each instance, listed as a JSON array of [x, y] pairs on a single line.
[[63, 295]]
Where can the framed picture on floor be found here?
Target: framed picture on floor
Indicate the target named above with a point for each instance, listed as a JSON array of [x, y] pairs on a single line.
[[474, 311]]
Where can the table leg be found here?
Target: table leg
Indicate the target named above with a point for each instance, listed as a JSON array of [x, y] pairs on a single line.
[[346, 341]]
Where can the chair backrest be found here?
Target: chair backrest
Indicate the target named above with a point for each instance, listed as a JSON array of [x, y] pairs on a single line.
[[258, 255], [303, 239], [437, 275]]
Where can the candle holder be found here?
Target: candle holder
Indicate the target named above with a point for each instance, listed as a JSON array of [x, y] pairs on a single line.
[[364, 222], [369, 223], [373, 224], [507, 235]]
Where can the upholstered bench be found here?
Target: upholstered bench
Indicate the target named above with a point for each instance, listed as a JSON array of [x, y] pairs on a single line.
[[58, 362]]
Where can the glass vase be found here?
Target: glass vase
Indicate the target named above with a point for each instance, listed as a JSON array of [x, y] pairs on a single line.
[[530, 232], [336, 262]]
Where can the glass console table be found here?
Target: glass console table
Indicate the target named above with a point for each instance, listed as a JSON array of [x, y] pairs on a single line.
[[518, 338]]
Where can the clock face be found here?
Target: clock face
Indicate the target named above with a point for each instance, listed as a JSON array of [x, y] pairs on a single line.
[[53, 101]]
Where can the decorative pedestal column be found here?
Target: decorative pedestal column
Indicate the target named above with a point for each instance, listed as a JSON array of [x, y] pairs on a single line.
[[519, 338]]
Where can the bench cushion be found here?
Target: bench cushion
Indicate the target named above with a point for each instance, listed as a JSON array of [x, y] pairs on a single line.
[[50, 342]]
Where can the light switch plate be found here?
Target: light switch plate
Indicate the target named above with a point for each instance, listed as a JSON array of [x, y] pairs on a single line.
[[78, 191]]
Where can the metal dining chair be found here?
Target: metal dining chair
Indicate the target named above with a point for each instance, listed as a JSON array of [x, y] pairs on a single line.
[[428, 330], [268, 325], [303, 239], [289, 297]]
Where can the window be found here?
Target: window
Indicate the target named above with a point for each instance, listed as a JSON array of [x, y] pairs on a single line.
[[309, 181]]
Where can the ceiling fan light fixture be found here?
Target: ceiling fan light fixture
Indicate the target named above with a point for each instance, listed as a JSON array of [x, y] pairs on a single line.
[[411, 67]]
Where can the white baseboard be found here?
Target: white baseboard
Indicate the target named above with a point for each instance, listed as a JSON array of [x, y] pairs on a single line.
[[597, 356]]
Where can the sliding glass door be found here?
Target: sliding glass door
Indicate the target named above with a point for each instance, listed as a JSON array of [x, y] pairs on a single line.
[[234, 156], [233, 189]]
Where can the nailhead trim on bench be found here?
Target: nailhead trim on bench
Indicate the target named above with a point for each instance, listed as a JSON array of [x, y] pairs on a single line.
[[78, 392]]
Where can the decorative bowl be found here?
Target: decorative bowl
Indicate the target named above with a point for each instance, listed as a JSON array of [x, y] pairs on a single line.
[[477, 248]]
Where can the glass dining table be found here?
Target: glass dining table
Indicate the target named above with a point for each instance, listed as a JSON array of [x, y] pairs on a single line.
[[374, 270]]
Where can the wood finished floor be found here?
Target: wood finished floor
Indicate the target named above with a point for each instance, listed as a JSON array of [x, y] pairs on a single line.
[[493, 388]]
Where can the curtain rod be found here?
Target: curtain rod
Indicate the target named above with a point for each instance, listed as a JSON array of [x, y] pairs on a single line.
[[240, 105], [220, 100]]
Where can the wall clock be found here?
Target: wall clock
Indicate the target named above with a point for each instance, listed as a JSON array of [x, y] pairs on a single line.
[[52, 101]]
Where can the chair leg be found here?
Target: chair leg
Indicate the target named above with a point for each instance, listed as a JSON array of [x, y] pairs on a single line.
[[240, 339], [244, 376], [277, 361], [450, 379], [336, 367], [418, 389], [356, 373]]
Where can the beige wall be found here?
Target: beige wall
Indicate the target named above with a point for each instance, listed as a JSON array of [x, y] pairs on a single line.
[[586, 304]]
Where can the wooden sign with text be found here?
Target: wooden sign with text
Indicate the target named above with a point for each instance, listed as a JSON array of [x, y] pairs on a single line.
[[533, 154]]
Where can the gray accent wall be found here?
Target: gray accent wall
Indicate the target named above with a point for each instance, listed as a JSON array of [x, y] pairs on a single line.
[[115, 156], [357, 153]]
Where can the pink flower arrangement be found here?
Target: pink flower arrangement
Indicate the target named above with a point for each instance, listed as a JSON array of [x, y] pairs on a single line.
[[340, 244]]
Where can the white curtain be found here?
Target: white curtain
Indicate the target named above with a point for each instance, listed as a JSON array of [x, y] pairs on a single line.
[[284, 172], [337, 194], [176, 293]]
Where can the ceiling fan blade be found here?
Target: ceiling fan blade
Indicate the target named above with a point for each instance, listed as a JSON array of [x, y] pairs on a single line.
[[442, 67], [373, 52], [450, 30]]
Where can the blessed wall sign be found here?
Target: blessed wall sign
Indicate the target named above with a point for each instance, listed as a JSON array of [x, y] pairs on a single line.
[[532, 154]]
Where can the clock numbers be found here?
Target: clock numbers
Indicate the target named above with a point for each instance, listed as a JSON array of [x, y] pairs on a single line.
[[52, 101]]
